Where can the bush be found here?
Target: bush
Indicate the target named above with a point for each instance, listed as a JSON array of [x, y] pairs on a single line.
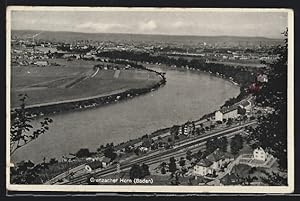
[[82, 153]]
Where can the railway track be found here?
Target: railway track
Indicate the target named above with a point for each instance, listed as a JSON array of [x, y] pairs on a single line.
[[158, 157]]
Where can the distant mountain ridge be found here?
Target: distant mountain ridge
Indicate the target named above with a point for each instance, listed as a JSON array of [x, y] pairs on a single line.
[[188, 40]]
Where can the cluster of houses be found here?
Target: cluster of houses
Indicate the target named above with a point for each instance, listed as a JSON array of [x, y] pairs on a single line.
[[212, 163], [24, 57], [232, 112], [186, 129], [218, 160]]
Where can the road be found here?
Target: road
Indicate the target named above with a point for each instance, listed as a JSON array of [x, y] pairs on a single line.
[[161, 155]]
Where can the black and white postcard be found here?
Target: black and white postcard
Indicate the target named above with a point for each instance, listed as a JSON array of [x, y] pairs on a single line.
[[179, 100]]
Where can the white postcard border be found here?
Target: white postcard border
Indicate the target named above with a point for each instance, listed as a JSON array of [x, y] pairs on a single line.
[[162, 188]]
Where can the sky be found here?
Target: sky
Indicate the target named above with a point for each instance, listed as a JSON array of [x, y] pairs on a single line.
[[265, 24]]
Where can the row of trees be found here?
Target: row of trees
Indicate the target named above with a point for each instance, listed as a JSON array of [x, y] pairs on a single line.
[[271, 132], [236, 144], [238, 74]]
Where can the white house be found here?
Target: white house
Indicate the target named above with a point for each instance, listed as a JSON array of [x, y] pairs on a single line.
[[203, 168], [212, 163], [226, 113], [260, 154], [246, 105], [218, 116], [186, 129]]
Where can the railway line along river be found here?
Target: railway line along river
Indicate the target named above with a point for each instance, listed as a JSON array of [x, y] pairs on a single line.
[[186, 96]]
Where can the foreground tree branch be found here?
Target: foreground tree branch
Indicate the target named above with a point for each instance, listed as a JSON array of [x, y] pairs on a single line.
[[21, 130]]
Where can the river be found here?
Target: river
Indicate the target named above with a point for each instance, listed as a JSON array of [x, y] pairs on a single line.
[[186, 96]]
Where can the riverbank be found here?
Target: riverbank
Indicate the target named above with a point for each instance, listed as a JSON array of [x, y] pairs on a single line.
[[165, 133], [98, 100]]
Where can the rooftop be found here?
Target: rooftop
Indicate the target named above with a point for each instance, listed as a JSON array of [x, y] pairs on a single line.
[[229, 109], [204, 163], [106, 160], [218, 155]]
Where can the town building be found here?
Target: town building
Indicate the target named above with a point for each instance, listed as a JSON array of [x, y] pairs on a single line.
[[247, 105], [189, 128], [226, 113], [144, 149], [262, 78], [260, 154], [218, 116], [212, 163], [203, 168], [219, 158], [105, 161]]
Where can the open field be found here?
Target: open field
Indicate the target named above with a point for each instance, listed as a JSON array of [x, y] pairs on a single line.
[[58, 83]]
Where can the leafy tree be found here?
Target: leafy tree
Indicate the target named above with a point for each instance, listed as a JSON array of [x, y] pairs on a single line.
[[137, 151], [247, 180], [136, 172], [163, 166], [174, 130], [109, 152], [271, 132], [25, 172], [189, 155], [172, 165], [199, 155], [42, 167], [182, 162], [53, 161], [222, 143], [163, 170], [146, 143], [274, 179], [100, 148], [175, 179], [21, 131], [236, 144], [145, 170], [82, 153], [229, 122], [211, 144]]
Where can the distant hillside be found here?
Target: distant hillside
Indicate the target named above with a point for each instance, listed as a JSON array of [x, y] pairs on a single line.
[[184, 40]]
